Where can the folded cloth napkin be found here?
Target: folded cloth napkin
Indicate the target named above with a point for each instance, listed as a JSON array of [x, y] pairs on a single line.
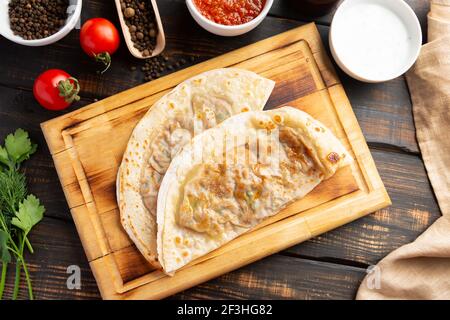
[[421, 270], [438, 19]]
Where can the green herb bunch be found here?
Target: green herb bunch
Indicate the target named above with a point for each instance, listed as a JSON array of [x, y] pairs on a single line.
[[19, 212]]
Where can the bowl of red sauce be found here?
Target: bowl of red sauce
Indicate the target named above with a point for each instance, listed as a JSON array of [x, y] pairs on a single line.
[[229, 17]]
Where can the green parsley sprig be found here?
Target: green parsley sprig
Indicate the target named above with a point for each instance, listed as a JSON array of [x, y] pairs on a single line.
[[19, 212]]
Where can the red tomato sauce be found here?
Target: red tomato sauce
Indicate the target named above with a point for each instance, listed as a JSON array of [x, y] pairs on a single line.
[[230, 12]]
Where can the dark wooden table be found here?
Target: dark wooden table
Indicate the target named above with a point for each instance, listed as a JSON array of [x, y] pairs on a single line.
[[330, 266]]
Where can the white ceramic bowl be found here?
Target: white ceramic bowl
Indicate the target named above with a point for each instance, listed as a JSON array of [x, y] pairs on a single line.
[[227, 31], [377, 52], [72, 20]]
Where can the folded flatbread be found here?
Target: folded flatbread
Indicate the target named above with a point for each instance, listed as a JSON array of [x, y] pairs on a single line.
[[234, 176], [192, 107]]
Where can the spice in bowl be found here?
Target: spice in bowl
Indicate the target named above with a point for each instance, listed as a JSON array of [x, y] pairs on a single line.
[[37, 19], [140, 20], [231, 12]]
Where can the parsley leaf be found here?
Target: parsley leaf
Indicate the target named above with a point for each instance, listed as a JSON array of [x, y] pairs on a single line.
[[19, 146], [5, 256], [4, 158], [29, 214]]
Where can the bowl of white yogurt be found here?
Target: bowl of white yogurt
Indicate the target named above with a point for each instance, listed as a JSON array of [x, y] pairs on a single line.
[[375, 40]]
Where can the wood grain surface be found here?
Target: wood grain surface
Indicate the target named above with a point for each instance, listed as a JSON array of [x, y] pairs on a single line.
[[327, 267]]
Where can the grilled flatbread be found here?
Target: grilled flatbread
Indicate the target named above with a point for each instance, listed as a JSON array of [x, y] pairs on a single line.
[[192, 107], [234, 176]]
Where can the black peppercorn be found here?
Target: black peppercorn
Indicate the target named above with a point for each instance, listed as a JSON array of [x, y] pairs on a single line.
[[141, 21], [158, 66], [37, 19]]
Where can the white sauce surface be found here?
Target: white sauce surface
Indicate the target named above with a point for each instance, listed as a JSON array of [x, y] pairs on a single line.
[[371, 40]]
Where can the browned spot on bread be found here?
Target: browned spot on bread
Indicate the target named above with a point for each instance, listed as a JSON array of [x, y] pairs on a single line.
[[292, 141], [277, 118], [333, 157], [270, 125]]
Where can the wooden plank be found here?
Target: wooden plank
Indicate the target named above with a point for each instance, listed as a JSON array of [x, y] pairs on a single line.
[[390, 104], [366, 241], [291, 10], [281, 277], [276, 277]]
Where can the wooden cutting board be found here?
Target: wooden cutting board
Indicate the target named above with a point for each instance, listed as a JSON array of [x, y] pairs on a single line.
[[87, 147]]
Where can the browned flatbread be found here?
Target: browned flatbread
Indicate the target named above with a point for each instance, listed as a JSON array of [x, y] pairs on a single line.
[[193, 106], [234, 176]]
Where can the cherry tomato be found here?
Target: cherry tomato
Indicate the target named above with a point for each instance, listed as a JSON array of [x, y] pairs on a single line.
[[99, 38], [55, 89]]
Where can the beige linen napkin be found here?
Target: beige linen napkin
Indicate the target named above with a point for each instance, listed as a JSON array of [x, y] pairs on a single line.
[[421, 270]]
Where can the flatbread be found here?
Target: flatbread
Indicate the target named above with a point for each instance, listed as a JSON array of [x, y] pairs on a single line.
[[251, 167], [193, 106]]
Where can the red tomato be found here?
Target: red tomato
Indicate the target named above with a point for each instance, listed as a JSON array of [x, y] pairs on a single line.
[[55, 89], [99, 38]]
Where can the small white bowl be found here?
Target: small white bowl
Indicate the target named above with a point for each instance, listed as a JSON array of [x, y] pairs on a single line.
[[375, 40], [72, 20], [223, 30]]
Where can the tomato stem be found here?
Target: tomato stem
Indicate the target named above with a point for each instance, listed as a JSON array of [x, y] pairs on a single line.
[[69, 89], [104, 58]]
